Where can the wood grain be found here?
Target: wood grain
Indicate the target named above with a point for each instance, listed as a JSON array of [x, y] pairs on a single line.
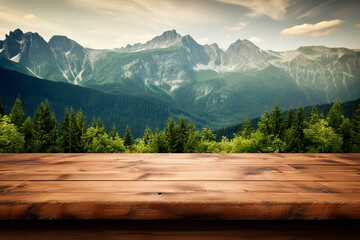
[[180, 186]]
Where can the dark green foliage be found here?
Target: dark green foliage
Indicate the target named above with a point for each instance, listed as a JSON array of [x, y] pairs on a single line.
[[45, 130], [348, 109], [170, 135], [265, 124], [123, 109], [314, 115], [355, 138], [113, 133], [312, 134], [335, 117], [148, 135], [246, 129], [71, 133], [159, 142], [299, 129], [2, 108], [289, 118], [17, 115], [276, 121], [181, 135], [97, 123], [346, 131], [207, 135], [128, 139], [29, 134]]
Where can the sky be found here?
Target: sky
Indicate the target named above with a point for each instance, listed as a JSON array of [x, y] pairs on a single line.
[[270, 24]]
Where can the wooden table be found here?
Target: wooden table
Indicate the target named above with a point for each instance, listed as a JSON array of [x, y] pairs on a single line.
[[180, 187]]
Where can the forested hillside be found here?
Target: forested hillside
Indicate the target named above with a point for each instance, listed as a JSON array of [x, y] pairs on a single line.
[[275, 133], [119, 109], [348, 110]]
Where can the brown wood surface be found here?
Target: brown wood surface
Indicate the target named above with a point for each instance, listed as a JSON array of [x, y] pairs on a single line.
[[180, 186]]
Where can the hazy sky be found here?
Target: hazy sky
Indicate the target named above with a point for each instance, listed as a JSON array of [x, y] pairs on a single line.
[[271, 24]]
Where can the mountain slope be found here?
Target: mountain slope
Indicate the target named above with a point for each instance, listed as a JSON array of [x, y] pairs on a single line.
[[222, 86], [121, 110]]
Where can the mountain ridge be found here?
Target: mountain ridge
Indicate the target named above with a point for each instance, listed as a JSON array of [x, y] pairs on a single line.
[[203, 79]]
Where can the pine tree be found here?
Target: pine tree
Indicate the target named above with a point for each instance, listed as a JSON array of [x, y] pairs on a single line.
[[2, 108], [113, 133], [17, 115], [181, 135], [71, 133], [45, 130], [81, 121], [158, 143], [299, 129], [264, 123], [207, 135], [276, 124], [355, 138], [170, 135], [314, 115], [28, 131], [148, 135], [246, 129], [346, 132], [335, 117], [128, 139], [289, 118]]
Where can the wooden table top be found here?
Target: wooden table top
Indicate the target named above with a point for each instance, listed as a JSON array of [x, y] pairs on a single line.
[[180, 186]]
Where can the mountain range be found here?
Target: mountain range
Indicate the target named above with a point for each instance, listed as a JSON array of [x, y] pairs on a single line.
[[219, 86]]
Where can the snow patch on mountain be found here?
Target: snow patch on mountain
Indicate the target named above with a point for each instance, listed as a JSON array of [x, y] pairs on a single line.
[[127, 74], [33, 73], [202, 92], [129, 65], [16, 58], [216, 68], [174, 84]]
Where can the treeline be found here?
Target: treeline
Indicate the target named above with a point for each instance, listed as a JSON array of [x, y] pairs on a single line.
[[348, 109], [121, 109], [275, 133]]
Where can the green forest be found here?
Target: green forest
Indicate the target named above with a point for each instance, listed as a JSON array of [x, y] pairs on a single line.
[[275, 133]]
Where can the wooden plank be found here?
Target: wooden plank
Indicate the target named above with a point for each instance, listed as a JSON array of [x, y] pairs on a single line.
[[250, 206], [141, 187], [168, 159], [179, 186], [180, 176], [343, 187], [144, 168], [6, 186]]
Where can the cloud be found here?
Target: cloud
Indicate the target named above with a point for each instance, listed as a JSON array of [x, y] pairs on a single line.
[[32, 18], [238, 27], [255, 40], [313, 30], [158, 14], [274, 9], [357, 25], [11, 19]]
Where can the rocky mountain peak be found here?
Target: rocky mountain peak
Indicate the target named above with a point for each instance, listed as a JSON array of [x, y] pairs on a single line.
[[16, 35], [170, 35]]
